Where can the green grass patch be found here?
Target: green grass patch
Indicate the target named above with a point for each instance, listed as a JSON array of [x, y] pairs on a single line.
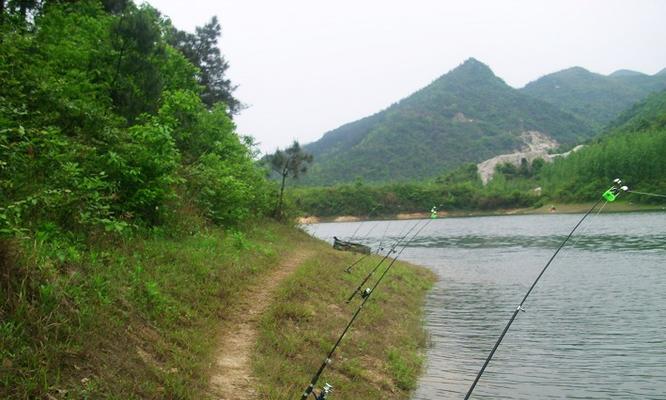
[[381, 356], [129, 320]]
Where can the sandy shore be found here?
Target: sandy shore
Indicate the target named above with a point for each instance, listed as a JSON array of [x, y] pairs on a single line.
[[573, 208]]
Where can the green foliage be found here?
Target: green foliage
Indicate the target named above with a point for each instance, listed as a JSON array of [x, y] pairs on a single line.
[[525, 170], [292, 162], [648, 114], [595, 98], [465, 173], [632, 150], [391, 199], [201, 50], [104, 137], [229, 193], [103, 125], [467, 115]]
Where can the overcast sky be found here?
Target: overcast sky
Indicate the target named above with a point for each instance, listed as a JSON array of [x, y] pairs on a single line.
[[305, 67]]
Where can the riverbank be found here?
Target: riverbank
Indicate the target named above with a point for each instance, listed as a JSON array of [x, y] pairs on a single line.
[[147, 317], [380, 357], [550, 208]]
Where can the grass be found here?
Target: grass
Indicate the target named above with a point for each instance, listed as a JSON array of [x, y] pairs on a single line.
[[381, 355], [133, 320], [138, 319]]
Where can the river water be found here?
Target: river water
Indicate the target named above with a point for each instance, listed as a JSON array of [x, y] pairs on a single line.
[[594, 327]]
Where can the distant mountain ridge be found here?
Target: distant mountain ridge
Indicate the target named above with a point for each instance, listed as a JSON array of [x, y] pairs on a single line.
[[595, 98], [625, 72], [466, 115]]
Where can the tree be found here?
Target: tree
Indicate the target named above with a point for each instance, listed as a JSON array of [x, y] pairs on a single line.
[[139, 51], [201, 49], [292, 161]]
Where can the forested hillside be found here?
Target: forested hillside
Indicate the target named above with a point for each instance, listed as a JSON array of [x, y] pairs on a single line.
[[125, 202], [595, 98], [632, 148], [112, 119], [467, 115]]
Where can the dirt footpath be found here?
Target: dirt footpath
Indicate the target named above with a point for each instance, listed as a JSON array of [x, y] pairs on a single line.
[[232, 375]]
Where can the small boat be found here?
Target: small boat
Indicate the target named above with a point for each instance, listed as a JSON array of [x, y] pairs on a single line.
[[350, 246]]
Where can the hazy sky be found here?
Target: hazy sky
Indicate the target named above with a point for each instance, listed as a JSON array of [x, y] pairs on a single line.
[[305, 67]]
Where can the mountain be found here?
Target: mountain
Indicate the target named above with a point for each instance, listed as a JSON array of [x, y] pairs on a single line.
[[625, 72], [596, 98], [466, 115], [631, 148], [646, 115]]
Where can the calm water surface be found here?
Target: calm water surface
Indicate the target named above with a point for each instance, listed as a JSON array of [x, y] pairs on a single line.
[[594, 327]]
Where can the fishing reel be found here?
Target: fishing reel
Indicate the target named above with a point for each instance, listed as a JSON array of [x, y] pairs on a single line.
[[614, 191], [366, 293], [324, 392]]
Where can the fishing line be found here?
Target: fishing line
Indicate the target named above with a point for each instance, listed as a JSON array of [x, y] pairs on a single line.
[[646, 193], [359, 226], [328, 360], [609, 195], [370, 230], [363, 257], [391, 250], [356, 231], [379, 248]]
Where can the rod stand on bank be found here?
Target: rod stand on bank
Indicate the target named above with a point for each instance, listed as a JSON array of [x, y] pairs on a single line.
[[376, 267], [609, 195], [326, 390], [323, 392]]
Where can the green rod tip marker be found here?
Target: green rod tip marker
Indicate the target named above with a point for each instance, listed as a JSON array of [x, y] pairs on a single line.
[[614, 191]]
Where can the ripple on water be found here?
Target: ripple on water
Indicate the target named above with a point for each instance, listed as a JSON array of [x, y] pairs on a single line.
[[595, 326]]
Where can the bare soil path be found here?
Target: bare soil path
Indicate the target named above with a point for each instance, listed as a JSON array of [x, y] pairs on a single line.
[[232, 374]]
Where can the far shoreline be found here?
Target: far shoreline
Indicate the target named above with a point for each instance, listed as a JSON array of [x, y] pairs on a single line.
[[554, 208]]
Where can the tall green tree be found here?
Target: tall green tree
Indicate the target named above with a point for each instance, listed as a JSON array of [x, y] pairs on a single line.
[[291, 162], [201, 49], [139, 49]]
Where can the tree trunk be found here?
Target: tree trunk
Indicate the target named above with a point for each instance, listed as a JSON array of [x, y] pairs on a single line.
[[23, 10], [278, 209], [2, 11]]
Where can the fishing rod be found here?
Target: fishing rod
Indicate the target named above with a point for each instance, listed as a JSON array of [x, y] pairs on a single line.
[[359, 226], [355, 232], [363, 257], [327, 389], [361, 223], [609, 195], [388, 253], [380, 248]]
